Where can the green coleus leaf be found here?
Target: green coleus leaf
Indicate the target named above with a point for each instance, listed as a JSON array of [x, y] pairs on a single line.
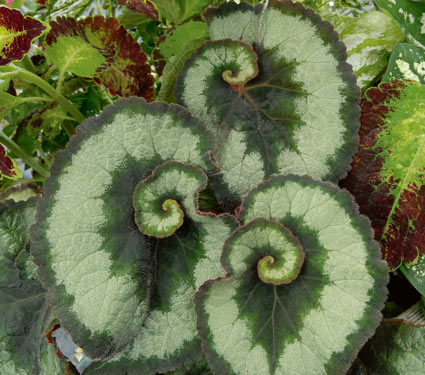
[[370, 39], [387, 176], [271, 99], [8, 167], [102, 50], [16, 34], [23, 310], [177, 39], [314, 324], [102, 273], [398, 347], [406, 62], [410, 16], [176, 11]]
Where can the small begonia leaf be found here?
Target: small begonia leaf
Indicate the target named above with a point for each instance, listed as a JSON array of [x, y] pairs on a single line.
[[145, 7], [100, 49], [20, 192], [17, 33], [23, 309], [299, 114], [398, 347], [410, 16], [387, 176], [8, 167], [317, 323], [101, 272], [407, 62]]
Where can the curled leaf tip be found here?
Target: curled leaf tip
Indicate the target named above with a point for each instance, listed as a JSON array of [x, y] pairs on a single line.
[[156, 213]]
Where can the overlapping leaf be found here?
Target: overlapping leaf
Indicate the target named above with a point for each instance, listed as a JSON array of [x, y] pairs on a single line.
[[102, 273], [406, 62], [387, 176], [16, 34], [102, 50], [398, 347], [410, 16], [23, 311], [281, 119], [415, 273], [176, 11], [8, 167], [317, 323]]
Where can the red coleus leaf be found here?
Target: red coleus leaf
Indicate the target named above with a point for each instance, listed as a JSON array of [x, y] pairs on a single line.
[[145, 7], [16, 34], [100, 49], [7, 166], [388, 172]]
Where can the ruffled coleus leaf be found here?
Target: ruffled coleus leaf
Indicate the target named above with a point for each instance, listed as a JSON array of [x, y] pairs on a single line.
[[145, 7], [118, 235], [275, 87], [398, 347], [406, 62], [387, 176], [8, 166], [100, 49], [304, 286], [410, 16], [23, 310], [17, 33]]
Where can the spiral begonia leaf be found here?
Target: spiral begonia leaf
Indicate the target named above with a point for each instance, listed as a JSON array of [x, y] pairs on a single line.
[[183, 262], [23, 310], [299, 114], [318, 322], [17, 33], [387, 176], [101, 272], [100, 49], [398, 347]]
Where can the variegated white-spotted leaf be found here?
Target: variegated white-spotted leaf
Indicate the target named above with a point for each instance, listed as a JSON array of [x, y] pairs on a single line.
[[410, 16], [407, 62], [314, 325], [297, 114], [102, 273]]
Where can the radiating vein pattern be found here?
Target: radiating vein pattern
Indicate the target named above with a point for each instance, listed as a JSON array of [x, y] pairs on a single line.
[[299, 114], [316, 323]]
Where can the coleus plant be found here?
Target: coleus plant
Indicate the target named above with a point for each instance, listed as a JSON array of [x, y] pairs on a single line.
[[142, 276]]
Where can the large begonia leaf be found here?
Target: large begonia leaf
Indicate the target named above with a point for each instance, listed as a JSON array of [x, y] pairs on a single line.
[[317, 323], [280, 96], [410, 16], [102, 50], [407, 62], [387, 176], [101, 272], [16, 34], [23, 310], [370, 39], [398, 347], [8, 167]]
